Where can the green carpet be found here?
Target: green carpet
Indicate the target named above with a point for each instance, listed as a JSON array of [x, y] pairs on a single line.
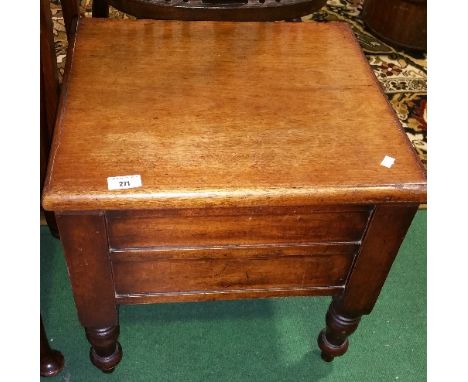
[[250, 340]]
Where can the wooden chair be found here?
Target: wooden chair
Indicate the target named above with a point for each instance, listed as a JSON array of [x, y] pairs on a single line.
[[51, 361], [211, 10], [48, 97]]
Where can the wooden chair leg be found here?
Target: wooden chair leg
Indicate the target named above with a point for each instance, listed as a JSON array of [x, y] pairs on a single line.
[[51, 360], [51, 222], [100, 8], [71, 13]]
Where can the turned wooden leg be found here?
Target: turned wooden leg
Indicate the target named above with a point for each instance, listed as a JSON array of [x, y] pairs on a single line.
[[385, 233], [100, 8], [51, 360], [333, 340], [105, 352], [84, 240]]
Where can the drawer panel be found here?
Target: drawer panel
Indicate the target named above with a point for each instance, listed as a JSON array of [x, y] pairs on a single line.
[[223, 226], [221, 270]]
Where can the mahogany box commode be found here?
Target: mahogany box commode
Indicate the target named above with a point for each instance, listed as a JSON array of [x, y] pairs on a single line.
[[256, 160]]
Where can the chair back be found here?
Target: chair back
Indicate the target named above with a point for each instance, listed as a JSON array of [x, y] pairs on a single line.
[[211, 10], [50, 86]]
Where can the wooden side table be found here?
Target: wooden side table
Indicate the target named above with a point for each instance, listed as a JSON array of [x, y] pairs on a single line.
[[256, 155]]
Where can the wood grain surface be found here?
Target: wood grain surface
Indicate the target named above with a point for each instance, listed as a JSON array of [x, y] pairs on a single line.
[[222, 114], [243, 226], [84, 240], [302, 269]]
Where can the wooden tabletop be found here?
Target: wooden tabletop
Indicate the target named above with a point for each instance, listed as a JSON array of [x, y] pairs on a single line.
[[222, 113]]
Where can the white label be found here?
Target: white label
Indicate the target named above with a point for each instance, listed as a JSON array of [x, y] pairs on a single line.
[[387, 161], [123, 182]]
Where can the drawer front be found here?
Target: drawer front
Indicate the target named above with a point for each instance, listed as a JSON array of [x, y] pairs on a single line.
[[243, 226], [239, 269]]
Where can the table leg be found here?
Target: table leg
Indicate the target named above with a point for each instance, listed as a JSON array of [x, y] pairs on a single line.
[[84, 239], [333, 340], [106, 351], [386, 231]]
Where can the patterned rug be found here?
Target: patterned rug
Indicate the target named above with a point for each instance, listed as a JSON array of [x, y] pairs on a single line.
[[402, 74]]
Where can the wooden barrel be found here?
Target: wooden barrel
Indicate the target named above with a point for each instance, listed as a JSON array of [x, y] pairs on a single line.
[[399, 22]]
